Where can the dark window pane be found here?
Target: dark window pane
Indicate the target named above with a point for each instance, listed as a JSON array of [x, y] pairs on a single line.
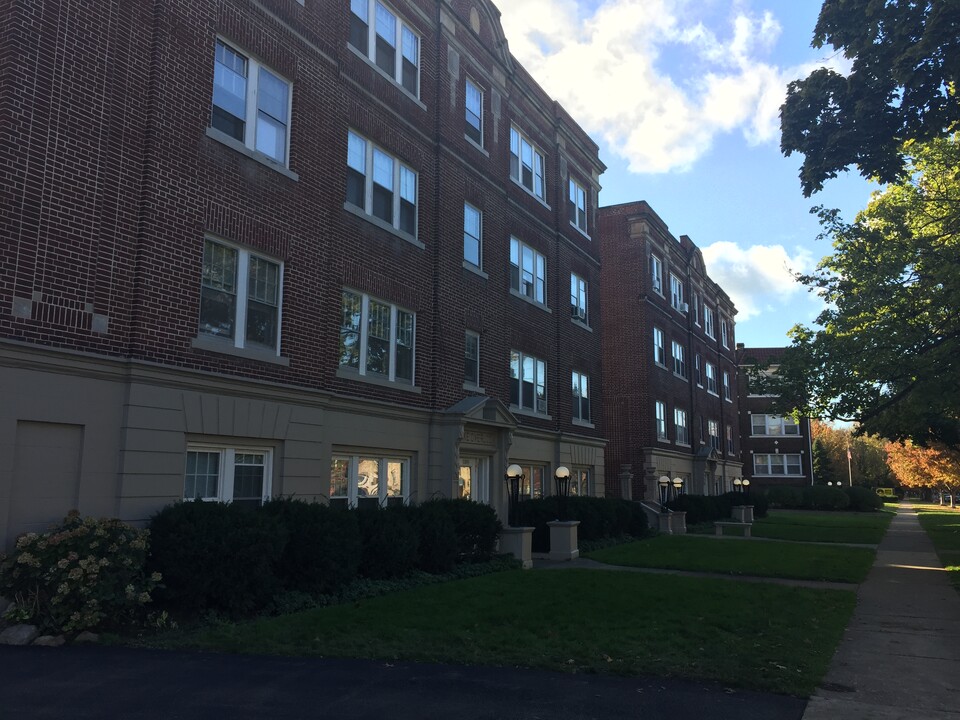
[[226, 123], [356, 189], [410, 76], [386, 57], [408, 217], [383, 203], [359, 34]]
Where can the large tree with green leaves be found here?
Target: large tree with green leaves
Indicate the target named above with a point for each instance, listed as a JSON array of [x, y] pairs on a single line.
[[888, 351], [902, 86]]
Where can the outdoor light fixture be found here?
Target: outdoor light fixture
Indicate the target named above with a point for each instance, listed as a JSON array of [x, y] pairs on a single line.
[[737, 485], [562, 476], [664, 484], [513, 478], [677, 487], [746, 486]]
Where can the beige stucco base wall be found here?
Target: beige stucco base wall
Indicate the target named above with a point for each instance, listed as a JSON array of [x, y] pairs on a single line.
[[109, 437]]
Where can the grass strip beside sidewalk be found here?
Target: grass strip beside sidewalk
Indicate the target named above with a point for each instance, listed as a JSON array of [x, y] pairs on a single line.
[[942, 525], [865, 528]]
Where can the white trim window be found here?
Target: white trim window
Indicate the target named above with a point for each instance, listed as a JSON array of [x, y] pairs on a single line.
[[379, 41], [676, 292], [381, 185], [724, 333], [731, 450], [726, 387], [473, 112], [577, 206], [656, 274], [713, 432], [696, 308], [658, 352], [377, 338], [578, 298], [251, 103], [528, 382], [660, 413], [240, 296], [711, 372], [216, 473], [679, 361], [369, 479], [526, 164], [531, 486], [680, 424], [708, 322], [697, 371], [776, 464], [472, 235], [473, 481], [581, 396], [528, 271], [773, 425], [580, 482], [471, 359]]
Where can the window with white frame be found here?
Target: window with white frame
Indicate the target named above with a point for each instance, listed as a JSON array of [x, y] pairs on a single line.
[[473, 120], [240, 296], [251, 103], [237, 475], [730, 447], [581, 397], [698, 374], [713, 432], [773, 425], [676, 292], [580, 482], [578, 297], [658, 351], [661, 419], [376, 338], [696, 308], [679, 363], [472, 235], [380, 39], [528, 271], [776, 464], [577, 205], [381, 185], [724, 333], [369, 480], [711, 372], [471, 359], [680, 424], [726, 386], [708, 321], [656, 274], [531, 486], [528, 382], [526, 163], [473, 481]]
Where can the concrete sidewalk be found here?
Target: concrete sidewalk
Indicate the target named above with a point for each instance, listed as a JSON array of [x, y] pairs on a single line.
[[900, 656]]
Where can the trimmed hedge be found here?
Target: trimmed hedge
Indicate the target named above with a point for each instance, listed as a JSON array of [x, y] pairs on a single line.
[[599, 518], [708, 508], [825, 497]]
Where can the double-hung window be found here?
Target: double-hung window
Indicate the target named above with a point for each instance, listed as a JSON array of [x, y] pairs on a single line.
[[581, 397], [730, 446], [680, 423], [679, 363], [726, 386], [580, 482], [471, 359], [658, 348], [777, 464], [526, 164], [240, 296], [708, 321], [656, 274], [774, 425], [528, 271], [251, 103], [578, 206], [376, 338], [713, 430], [369, 480], [531, 486], [724, 333], [578, 297], [676, 292], [379, 42], [380, 185], [711, 371], [697, 370], [661, 419], [472, 235], [227, 474], [473, 127], [528, 382]]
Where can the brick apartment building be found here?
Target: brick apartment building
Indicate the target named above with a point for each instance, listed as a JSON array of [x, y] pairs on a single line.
[[335, 250], [776, 450], [670, 371]]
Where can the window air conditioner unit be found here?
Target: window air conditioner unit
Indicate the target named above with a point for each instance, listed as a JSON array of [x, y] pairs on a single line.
[[684, 307]]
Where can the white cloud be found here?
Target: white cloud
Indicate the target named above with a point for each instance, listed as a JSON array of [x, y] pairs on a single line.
[[651, 76], [758, 279]]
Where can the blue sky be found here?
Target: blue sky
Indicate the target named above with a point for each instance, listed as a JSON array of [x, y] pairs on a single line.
[[683, 98]]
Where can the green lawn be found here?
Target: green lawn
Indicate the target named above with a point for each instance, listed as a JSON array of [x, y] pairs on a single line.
[[862, 528], [742, 557], [760, 636], [943, 527]]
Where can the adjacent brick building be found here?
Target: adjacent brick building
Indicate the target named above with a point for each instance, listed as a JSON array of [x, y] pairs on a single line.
[[343, 251], [671, 406]]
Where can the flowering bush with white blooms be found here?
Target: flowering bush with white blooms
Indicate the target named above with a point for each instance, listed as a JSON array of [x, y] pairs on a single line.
[[83, 574]]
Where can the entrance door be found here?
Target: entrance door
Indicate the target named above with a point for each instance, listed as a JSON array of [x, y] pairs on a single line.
[[474, 480]]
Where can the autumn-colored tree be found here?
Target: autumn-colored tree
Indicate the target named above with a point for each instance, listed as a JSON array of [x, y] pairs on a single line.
[[935, 467], [868, 458]]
